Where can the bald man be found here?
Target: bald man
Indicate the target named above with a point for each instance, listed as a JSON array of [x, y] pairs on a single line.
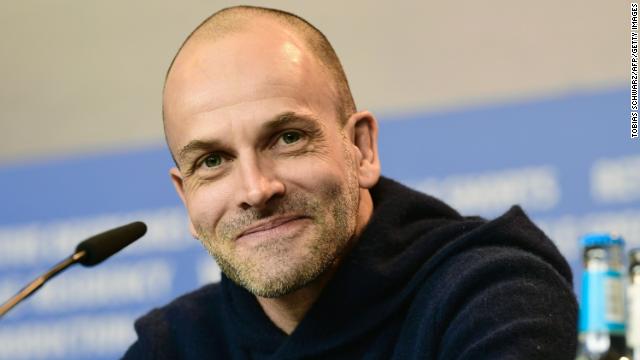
[[321, 257]]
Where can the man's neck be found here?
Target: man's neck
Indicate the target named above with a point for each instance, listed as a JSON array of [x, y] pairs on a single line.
[[287, 311]]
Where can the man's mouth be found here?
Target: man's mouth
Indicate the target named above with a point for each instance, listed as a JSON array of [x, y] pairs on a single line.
[[271, 225]]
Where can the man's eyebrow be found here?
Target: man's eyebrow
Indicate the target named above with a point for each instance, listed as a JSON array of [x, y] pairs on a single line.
[[278, 122], [287, 118], [198, 145]]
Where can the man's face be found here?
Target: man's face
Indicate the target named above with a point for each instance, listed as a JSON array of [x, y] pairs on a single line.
[[266, 171]]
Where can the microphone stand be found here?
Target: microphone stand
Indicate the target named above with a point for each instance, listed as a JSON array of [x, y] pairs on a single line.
[[37, 283], [90, 252]]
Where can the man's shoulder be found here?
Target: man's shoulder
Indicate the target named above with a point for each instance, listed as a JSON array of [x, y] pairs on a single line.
[[412, 230], [187, 322], [498, 289], [195, 304], [512, 234]]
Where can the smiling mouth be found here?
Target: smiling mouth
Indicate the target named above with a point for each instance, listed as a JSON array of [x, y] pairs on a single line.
[[271, 226]]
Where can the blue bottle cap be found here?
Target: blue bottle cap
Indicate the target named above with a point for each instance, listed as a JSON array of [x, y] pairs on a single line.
[[601, 239]]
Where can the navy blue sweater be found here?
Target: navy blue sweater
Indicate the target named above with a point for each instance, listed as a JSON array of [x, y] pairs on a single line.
[[422, 282]]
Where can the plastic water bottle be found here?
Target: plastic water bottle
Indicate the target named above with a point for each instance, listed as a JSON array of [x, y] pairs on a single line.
[[633, 297], [602, 319]]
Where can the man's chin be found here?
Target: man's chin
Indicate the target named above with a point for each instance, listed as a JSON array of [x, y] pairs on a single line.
[[267, 283], [272, 290]]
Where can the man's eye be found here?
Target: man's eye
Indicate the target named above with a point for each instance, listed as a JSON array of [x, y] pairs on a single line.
[[212, 160], [291, 137]]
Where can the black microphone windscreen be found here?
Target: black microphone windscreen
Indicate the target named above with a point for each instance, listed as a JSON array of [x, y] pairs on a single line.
[[101, 246]]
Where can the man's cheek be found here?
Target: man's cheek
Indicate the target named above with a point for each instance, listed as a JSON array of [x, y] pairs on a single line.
[[310, 172], [203, 216]]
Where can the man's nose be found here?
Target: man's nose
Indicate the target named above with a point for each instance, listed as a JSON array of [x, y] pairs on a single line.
[[259, 183]]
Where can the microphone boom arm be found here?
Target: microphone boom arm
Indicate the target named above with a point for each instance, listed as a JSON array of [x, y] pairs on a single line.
[[37, 283]]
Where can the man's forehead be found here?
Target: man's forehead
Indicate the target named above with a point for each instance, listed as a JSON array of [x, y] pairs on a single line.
[[233, 127]]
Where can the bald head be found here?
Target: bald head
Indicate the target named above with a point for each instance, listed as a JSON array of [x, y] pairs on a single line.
[[238, 19]]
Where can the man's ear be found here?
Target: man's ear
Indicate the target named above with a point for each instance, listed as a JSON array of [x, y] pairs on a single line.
[[178, 184], [365, 139]]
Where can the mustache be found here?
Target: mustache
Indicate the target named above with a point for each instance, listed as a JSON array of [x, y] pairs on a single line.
[[294, 204]]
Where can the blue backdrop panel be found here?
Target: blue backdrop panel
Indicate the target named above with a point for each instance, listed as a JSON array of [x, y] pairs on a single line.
[[568, 161]]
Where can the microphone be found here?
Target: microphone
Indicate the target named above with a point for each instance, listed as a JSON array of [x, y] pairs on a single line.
[[99, 247], [90, 252]]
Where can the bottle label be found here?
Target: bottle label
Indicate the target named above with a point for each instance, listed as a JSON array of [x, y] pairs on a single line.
[[633, 333], [602, 302]]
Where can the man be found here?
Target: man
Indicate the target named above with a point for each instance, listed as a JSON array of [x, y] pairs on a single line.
[[321, 256]]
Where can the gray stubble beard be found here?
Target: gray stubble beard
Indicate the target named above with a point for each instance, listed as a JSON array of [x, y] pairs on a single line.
[[327, 247]]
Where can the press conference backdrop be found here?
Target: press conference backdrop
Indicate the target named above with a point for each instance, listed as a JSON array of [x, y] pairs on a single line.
[[567, 160]]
